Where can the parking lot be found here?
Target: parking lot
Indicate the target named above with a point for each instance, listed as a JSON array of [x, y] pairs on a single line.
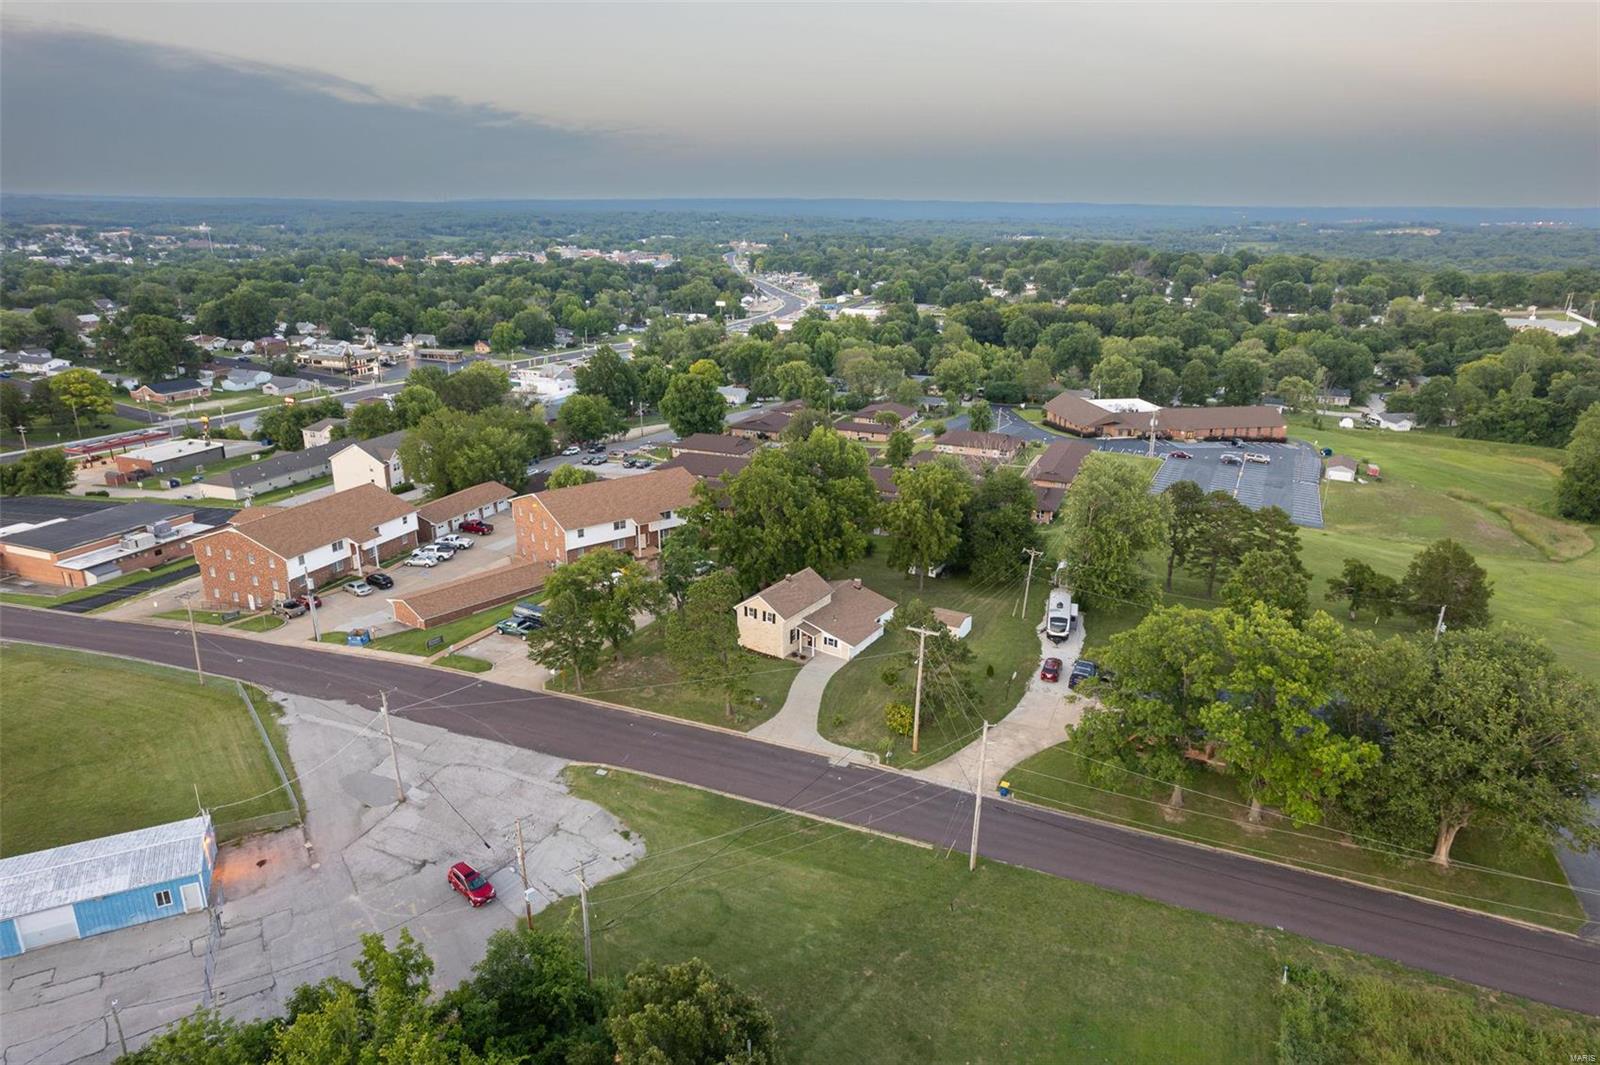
[[1290, 481]]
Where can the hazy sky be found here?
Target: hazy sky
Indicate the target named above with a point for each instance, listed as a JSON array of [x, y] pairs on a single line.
[[1289, 103]]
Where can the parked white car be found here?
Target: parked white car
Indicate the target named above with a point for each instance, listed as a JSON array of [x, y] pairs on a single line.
[[1256, 456], [573, 450], [359, 589], [455, 540], [422, 558]]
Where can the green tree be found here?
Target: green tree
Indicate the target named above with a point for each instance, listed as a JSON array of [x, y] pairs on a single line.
[[414, 403], [947, 685], [450, 450], [810, 503], [584, 419], [1482, 727], [1362, 586], [685, 1013], [799, 379], [529, 1000], [478, 387], [13, 407], [925, 517], [1186, 519], [899, 448], [980, 416], [83, 392], [1297, 393], [372, 419], [1147, 719], [1116, 376], [609, 376], [801, 424], [1578, 491], [692, 404], [1444, 574], [1194, 384], [998, 527], [1276, 677], [1271, 577], [703, 639], [586, 607], [504, 338], [570, 475], [958, 373], [682, 562], [42, 471], [1221, 538], [1109, 521]]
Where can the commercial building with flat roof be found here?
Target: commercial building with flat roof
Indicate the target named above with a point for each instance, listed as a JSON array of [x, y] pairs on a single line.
[[84, 548]]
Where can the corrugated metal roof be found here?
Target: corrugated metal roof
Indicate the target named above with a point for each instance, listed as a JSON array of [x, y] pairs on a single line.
[[105, 866]]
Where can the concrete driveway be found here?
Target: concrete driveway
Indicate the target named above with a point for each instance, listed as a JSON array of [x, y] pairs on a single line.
[[295, 904]]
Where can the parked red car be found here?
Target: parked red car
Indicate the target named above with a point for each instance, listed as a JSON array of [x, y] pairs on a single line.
[[1051, 670], [473, 525], [471, 883], [309, 601], [1179, 455]]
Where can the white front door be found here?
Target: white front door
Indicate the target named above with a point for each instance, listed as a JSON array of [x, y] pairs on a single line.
[[192, 898], [46, 927]]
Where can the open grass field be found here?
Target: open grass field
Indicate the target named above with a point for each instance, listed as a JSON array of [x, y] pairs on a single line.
[[646, 680], [869, 950], [49, 434], [95, 746], [852, 705], [1214, 813]]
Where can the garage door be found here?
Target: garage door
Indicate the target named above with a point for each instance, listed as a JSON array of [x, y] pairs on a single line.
[[46, 927]]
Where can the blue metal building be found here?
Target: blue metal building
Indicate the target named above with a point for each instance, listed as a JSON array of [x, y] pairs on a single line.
[[104, 884]]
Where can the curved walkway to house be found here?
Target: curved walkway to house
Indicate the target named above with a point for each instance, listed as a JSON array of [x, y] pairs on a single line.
[[796, 723]]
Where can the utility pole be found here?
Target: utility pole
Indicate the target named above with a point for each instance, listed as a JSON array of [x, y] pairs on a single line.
[[311, 605], [1438, 628], [22, 431], [916, 704], [116, 1018], [1152, 452], [522, 868], [1033, 554], [588, 946], [399, 788], [977, 798], [194, 638]]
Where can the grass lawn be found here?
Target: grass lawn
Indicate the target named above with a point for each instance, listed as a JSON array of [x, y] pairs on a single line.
[[260, 623], [466, 663], [201, 617], [278, 495], [852, 705], [75, 594], [646, 679], [868, 950], [43, 435], [77, 764], [1214, 813], [265, 452], [415, 641]]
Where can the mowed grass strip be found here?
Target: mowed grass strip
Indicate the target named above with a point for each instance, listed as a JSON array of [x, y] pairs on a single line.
[[870, 950], [645, 679], [1535, 889], [95, 746]]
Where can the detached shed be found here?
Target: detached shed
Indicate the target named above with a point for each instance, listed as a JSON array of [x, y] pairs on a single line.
[[959, 624], [101, 885], [1340, 468]]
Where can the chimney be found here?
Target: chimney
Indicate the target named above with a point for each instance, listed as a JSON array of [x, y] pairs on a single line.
[[855, 582]]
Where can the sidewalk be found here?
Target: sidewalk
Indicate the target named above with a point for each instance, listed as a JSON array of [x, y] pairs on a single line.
[[795, 724], [1039, 721]]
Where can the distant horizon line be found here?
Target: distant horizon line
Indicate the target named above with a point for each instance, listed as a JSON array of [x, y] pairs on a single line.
[[745, 198]]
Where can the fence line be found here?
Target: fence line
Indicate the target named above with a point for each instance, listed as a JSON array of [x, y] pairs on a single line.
[[272, 753]]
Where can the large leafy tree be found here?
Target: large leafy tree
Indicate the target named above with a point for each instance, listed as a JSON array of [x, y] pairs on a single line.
[[570, 475], [925, 516], [529, 1000], [1220, 538], [580, 615], [83, 392], [998, 527], [1109, 521], [478, 387], [42, 471], [683, 560], [703, 639], [1578, 491], [1362, 586], [980, 416], [281, 425], [810, 503], [1481, 727], [587, 418], [1271, 577], [1148, 719], [947, 685], [899, 448], [1185, 523], [1444, 574], [686, 1013], [611, 377], [692, 404], [450, 450], [1275, 679]]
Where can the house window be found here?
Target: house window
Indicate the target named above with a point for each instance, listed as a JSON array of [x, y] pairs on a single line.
[[794, 635], [749, 611], [829, 641], [274, 584], [227, 553], [580, 534], [208, 550], [338, 545], [231, 577], [255, 582], [163, 898], [619, 525], [250, 558], [301, 560], [213, 571], [235, 597], [769, 617]]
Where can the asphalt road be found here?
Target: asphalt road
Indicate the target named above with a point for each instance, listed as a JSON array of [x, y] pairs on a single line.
[[1561, 970]]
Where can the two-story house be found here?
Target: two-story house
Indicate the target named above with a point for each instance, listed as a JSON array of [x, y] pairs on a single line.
[[375, 461], [265, 554], [804, 615], [630, 514]]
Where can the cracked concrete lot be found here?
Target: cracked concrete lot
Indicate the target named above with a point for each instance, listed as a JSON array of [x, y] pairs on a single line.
[[294, 904]]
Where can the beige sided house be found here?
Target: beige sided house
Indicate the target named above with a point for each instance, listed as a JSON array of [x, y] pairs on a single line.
[[804, 615], [375, 461]]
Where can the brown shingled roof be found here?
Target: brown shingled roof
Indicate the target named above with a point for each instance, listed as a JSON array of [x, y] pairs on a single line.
[[446, 507], [1076, 410], [714, 444], [983, 441], [1060, 461], [644, 498], [852, 614], [706, 467], [794, 593], [347, 515], [477, 591]]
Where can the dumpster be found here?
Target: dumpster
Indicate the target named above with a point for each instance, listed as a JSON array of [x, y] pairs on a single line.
[[358, 637]]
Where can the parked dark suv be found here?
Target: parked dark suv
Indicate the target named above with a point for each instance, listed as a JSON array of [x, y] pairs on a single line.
[[380, 580]]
